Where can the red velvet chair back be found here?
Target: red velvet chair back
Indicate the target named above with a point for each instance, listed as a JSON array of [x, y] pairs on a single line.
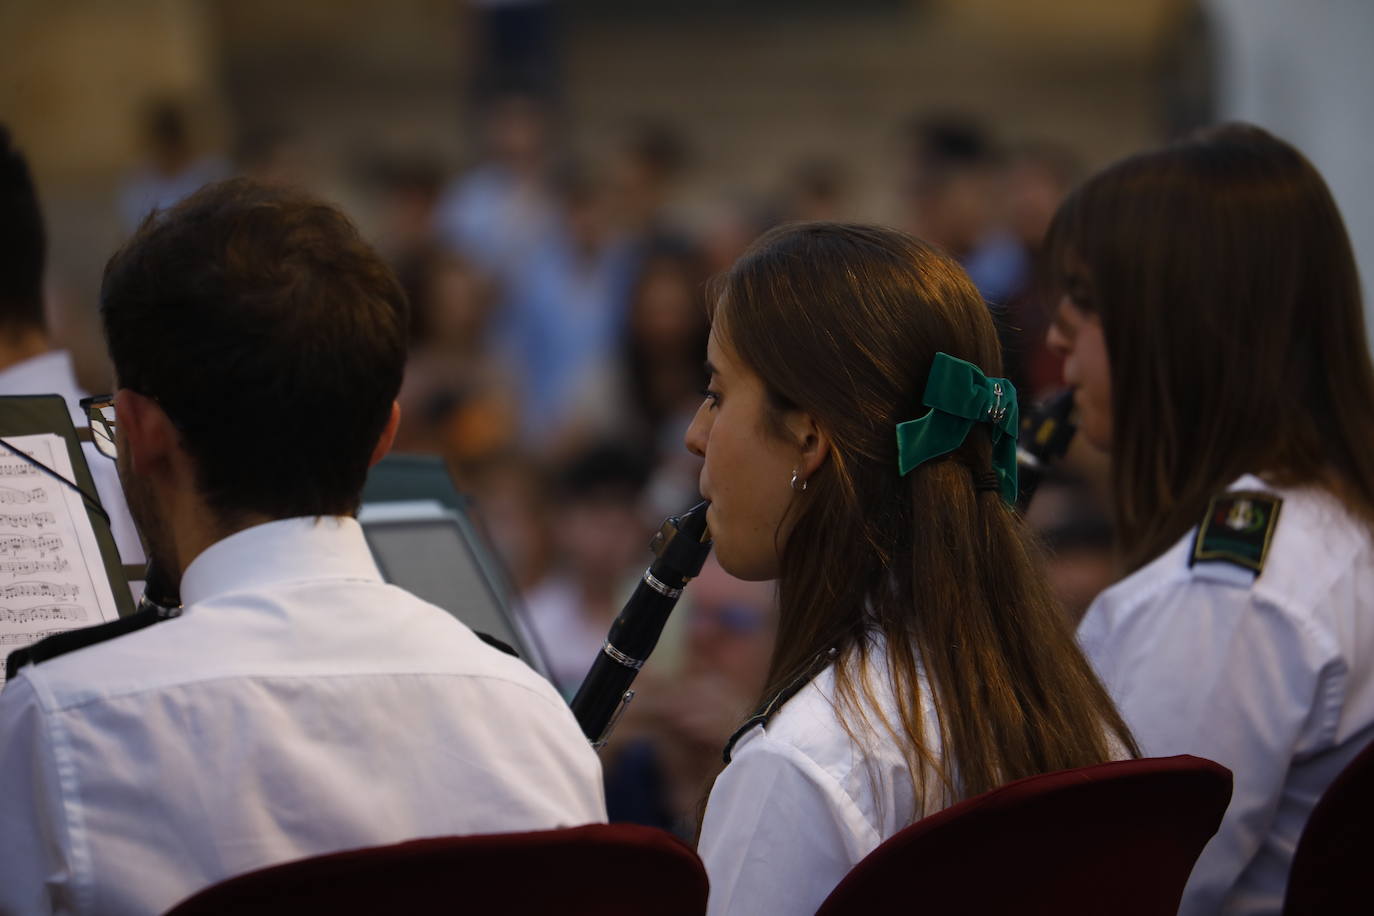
[[1330, 874], [616, 869], [1117, 838]]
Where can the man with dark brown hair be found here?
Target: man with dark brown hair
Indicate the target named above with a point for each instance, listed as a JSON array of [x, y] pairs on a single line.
[[298, 705]]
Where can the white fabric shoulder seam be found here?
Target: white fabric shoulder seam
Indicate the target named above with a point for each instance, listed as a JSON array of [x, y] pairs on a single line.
[[766, 743], [260, 676], [81, 868]]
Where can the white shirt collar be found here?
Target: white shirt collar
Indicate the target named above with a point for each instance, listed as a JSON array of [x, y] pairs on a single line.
[[286, 550]]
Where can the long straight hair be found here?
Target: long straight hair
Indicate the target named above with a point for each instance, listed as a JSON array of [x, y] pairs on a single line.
[[1230, 304], [844, 322]]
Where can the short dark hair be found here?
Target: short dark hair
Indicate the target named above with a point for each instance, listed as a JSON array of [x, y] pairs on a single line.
[[23, 243], [273, 337]]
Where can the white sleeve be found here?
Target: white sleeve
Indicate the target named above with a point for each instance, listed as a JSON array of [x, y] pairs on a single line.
[[33, 865], [1216, 671], [774, 835]]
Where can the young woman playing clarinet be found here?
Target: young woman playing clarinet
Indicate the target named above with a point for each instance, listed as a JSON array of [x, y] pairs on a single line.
[[860, 449]]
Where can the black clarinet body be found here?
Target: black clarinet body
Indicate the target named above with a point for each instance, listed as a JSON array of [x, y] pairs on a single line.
[[680, 549]]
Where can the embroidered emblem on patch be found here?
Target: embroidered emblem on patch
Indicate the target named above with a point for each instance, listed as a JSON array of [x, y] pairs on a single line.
[[1237, 529]]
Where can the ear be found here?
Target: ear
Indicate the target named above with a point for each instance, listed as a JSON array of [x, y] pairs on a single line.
[[388, 436], [145, 434], [813, 441]]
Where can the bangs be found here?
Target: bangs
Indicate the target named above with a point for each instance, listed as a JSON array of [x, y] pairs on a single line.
[[1067, 255]]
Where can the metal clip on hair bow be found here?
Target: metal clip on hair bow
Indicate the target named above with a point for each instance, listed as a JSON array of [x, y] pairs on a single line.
[[959, 396]]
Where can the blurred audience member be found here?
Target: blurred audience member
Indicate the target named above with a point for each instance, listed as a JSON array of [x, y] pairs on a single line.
[[511, 502], [563, 316], [500, 211], [734, 221], [279, 156], [173, 167], [651, 159], [662, 374], [665, 335], [408, 191], [456, 399], [951, 186], [1036, 178], [817, 190], [599, 543]]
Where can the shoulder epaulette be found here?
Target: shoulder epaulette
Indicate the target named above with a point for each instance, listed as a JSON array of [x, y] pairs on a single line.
[[1237, 529], [71, 640], [776, 701]]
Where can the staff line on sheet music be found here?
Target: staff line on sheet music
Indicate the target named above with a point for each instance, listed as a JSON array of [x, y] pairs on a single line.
[[28, 520], [42, 612]]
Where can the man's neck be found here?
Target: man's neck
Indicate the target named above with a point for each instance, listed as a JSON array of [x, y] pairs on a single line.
[[20, 344], [197, 528]]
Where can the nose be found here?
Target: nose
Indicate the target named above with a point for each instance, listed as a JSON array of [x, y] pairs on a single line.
[[696, 437], [1057, 341]]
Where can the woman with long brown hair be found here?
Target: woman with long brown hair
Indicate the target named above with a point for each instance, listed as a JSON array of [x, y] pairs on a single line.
[[859, 448], [1211, 322]]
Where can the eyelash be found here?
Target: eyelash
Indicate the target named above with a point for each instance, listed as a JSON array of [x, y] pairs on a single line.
[[712, 396]]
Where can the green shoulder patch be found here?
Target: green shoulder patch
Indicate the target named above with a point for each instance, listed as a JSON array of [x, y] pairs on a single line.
[[1237, 529]]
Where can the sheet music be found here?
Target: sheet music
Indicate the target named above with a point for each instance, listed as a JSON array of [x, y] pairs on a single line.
[[52, 576]]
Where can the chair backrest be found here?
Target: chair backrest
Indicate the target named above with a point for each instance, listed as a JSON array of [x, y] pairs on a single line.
[[1330, 873], [599, 868], [1116, 838]]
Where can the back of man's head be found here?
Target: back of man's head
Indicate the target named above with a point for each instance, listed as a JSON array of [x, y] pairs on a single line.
[[271, 335], [23, 245]]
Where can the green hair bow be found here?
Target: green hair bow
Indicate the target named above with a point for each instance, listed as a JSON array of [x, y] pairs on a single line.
[[959, 395]]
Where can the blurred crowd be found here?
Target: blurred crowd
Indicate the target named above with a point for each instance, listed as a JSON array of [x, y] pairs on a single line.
[[557, 338]]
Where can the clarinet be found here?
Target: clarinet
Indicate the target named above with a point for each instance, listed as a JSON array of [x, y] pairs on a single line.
[[680, 548], [1045, 435]]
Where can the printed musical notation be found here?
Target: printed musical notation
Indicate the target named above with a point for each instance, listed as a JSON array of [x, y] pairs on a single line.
[[16, 468], [15, 544], [39, 590], [52, 574], [31, 567], [28, 520], [67, 612], [26, 638], [15, 497]]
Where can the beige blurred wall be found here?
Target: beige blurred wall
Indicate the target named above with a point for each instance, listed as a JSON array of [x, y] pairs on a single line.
[[760, 95], [74, 77], [355, 77], [75, 73]]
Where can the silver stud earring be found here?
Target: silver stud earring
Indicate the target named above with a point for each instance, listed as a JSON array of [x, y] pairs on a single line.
[[798, 482]]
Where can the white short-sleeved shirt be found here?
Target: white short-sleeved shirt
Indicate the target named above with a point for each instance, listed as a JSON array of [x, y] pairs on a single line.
[[800, 803], [299, 706], [1271, 676]]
